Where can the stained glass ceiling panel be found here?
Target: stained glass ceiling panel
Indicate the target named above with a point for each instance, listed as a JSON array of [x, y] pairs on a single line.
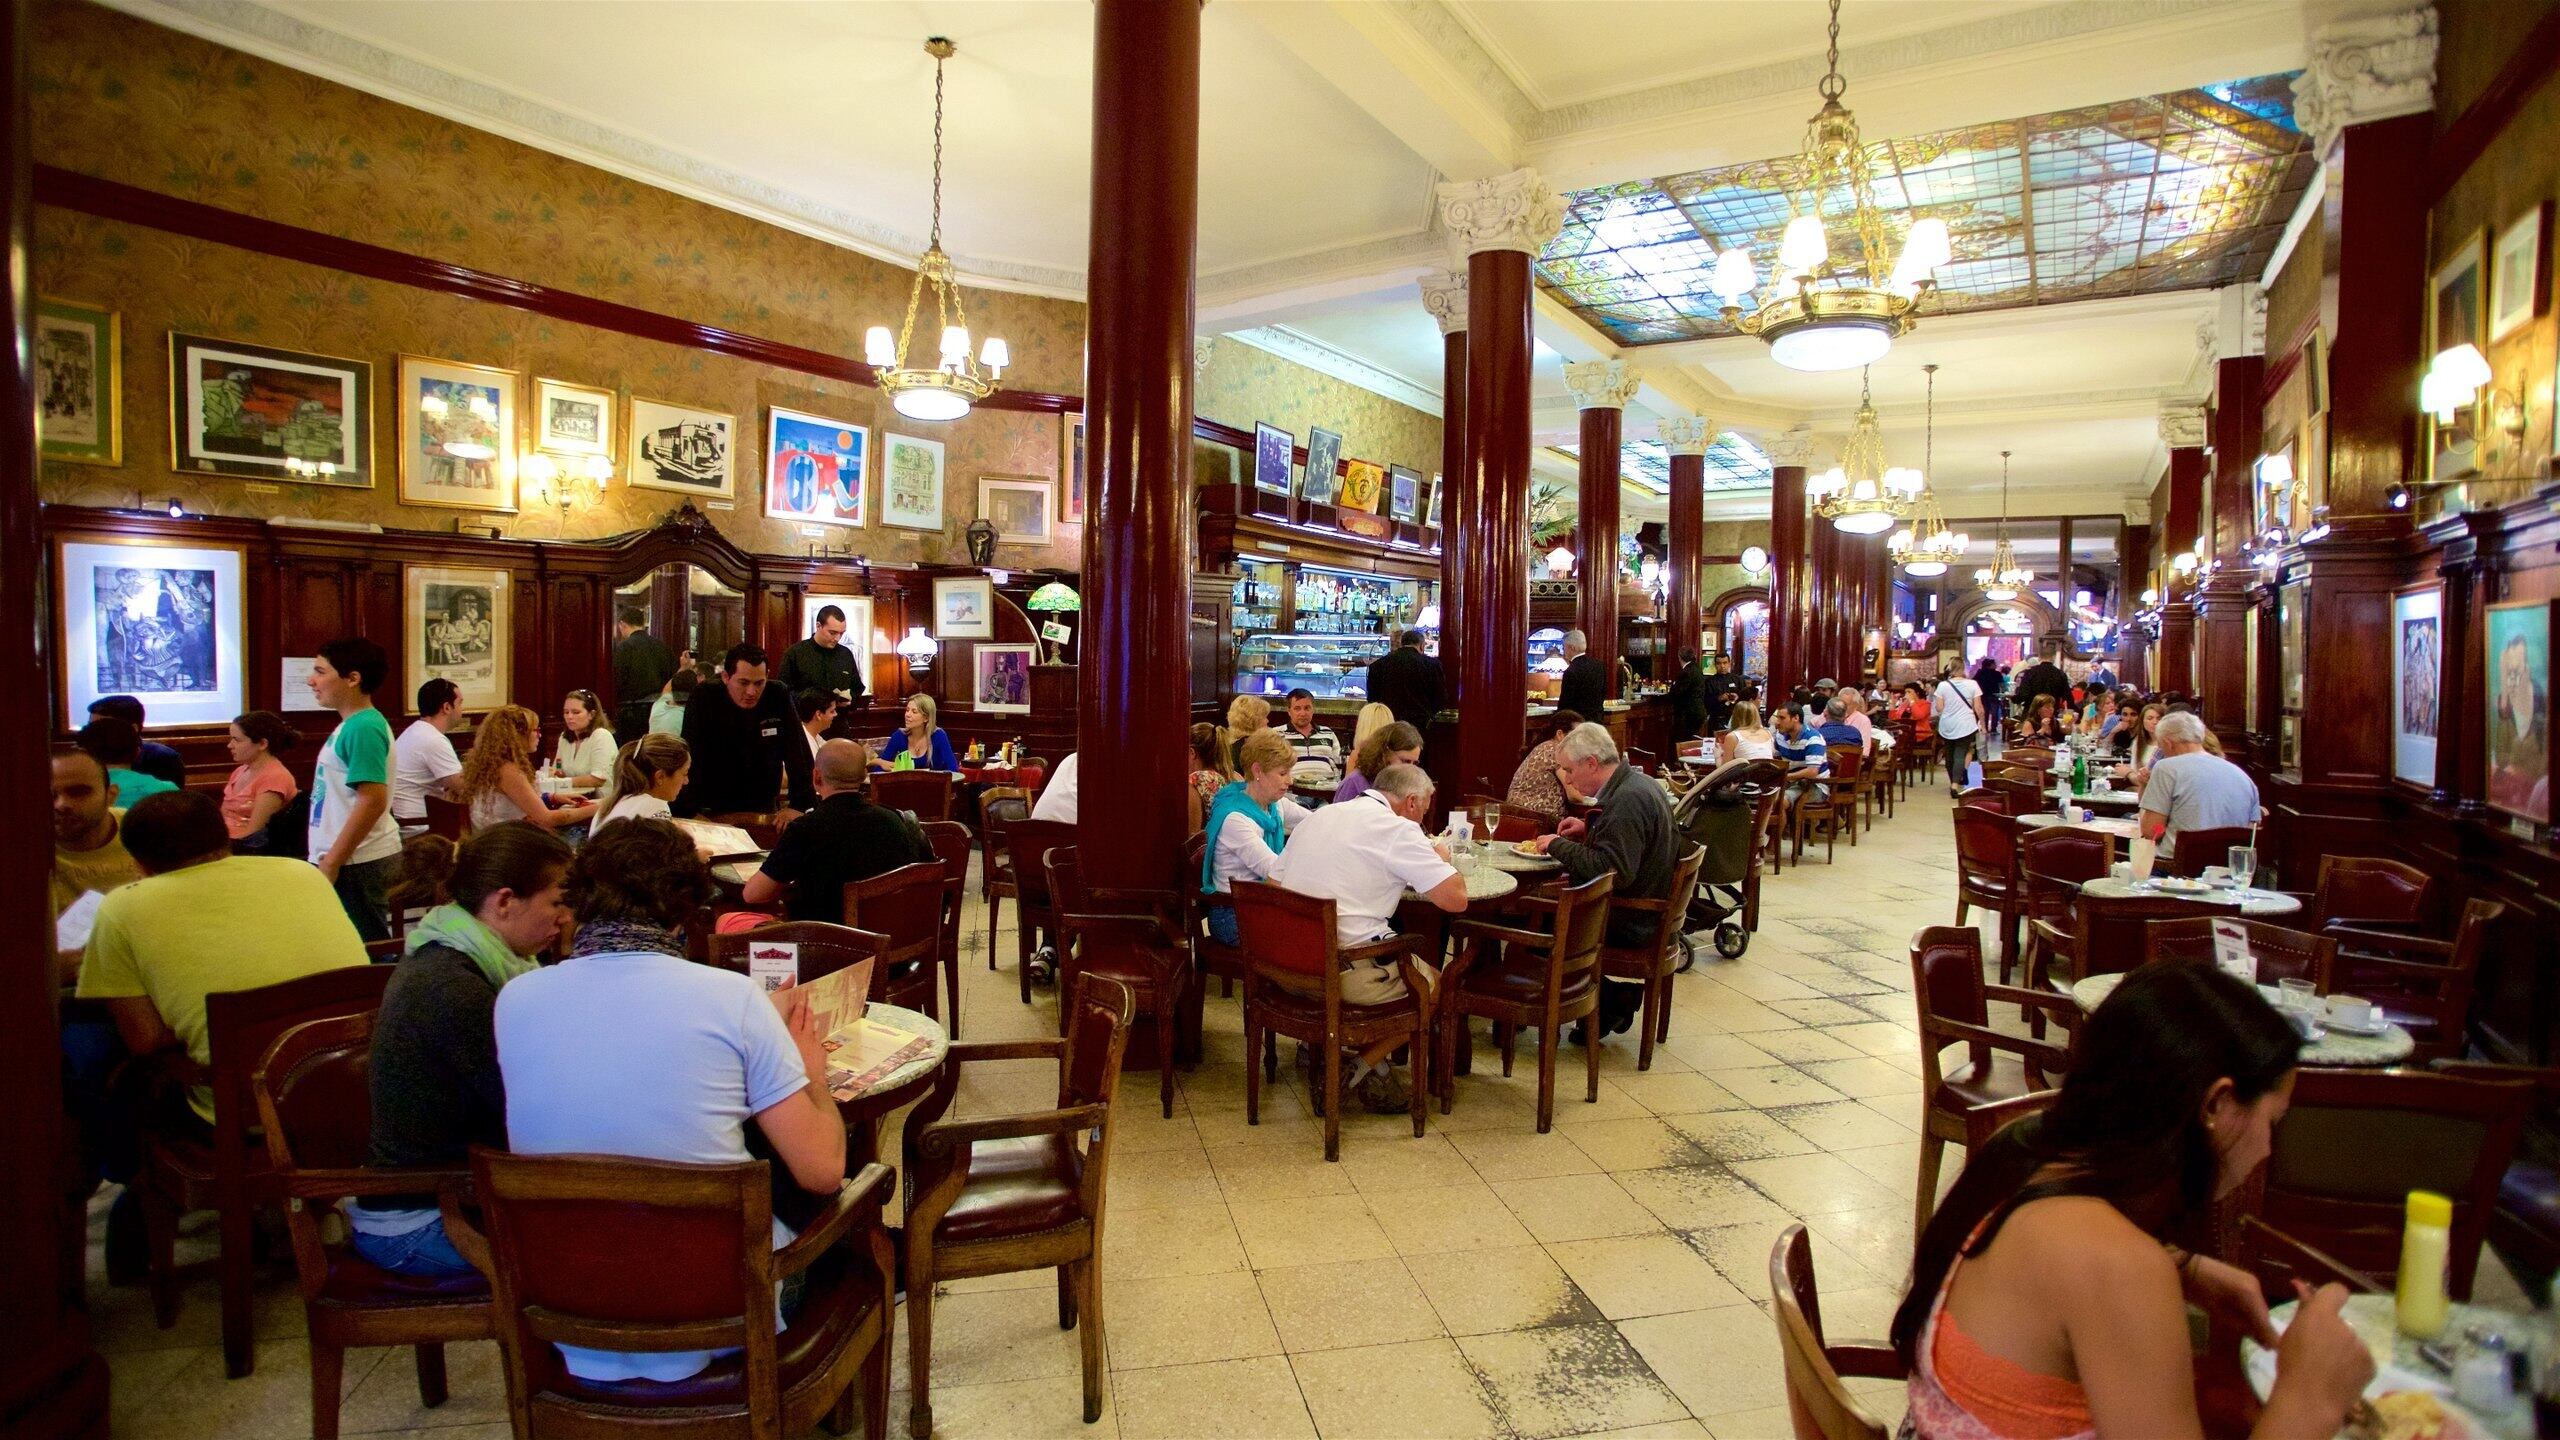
[[1733, 463], [2181, 191]]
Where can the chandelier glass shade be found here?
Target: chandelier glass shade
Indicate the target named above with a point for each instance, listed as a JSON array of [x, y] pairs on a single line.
[[946, 389], [1824, 310], [1862, 495], [2004, 577]]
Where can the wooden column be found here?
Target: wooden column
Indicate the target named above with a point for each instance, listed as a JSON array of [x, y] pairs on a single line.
[[2185, 432], [1790, 582], [1687, 438], [1602, 388], [1138, 543], [51, 1380], [2377, 260], [1445, 296], [2223, 607], [1823, 653], [1501, 222], [2133, 565]]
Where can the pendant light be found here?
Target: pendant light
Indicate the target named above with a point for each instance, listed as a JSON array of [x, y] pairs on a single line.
[[948, 388]]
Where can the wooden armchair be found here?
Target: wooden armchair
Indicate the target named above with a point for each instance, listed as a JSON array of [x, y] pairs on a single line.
[[1818, 1404], [1131, 936], [924, 793], [1026, 843], [1653, 964], [1293, 986], [904, 908], [1837, 809], [315, 1106], [2196, 849], [183, 1170], [1212, 955], [2053, 863], [1543, 978], [824, 948], [952, 843], [1955, 1008], [2282, 954], [558, 1238], [995, 860], [998, 1194], [1987, 874], [2369, 892], [1511, 822], [2021, 793], [2423, 986], [2105, 936]]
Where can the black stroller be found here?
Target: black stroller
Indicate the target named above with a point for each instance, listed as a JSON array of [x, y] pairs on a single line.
[[1717, 815]]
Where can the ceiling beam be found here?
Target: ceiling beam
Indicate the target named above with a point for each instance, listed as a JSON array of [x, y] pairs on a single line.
[[1380, 61]]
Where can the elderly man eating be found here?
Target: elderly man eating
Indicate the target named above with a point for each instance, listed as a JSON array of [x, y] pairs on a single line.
[[2191, 788], [1631, 836]]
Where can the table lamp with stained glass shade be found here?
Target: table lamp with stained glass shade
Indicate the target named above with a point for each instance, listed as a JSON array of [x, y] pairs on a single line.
[[1054, 598]]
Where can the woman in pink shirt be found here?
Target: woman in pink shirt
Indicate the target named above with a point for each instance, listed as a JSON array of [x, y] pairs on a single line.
[[260, 785]]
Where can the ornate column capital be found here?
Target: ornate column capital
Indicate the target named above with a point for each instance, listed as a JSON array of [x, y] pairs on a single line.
[[1444, 294], [1794, 447], [2182, 427], [1687, 434], [1600, 384], [2369, 68], [1515, 211]]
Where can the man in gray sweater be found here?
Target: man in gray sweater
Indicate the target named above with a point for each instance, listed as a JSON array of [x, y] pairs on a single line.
[[1630, 835]]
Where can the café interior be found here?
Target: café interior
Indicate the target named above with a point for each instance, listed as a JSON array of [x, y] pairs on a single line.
[[1106, 372]]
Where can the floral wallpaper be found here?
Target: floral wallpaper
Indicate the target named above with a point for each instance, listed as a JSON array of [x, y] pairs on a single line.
[[1242, 385]]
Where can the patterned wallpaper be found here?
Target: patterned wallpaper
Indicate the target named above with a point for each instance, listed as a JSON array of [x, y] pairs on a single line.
[[1243, 385]]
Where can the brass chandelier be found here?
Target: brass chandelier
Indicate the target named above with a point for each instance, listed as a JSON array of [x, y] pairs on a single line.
[[2004, 577], [1859, 308], [947, 389], [1929, 548], [1862, 495]]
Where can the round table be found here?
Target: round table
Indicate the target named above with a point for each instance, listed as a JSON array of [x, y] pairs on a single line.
[[2120, 827], [865, 1106], [1484, 882], [1502, 857], [2095, 799], [2256, 904], [2398, 1366], [2334, 1048]]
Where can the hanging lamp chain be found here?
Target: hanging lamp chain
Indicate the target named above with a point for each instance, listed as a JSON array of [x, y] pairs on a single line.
[[941, 51], [1832, 86]]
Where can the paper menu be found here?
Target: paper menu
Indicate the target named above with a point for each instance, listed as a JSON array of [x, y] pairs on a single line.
[[714, 839], [71, 929], [867, 1052], [773, 964], [838, 1000], [2231, 952]]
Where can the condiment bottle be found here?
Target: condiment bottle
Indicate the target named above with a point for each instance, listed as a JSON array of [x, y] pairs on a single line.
[[2424, 1244]]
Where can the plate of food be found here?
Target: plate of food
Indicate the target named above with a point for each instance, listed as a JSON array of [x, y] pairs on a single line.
[[1526, 847], [2179, 885], [2406, 1400]]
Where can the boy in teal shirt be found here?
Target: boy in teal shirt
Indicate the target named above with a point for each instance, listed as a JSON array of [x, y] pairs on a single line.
[[353, 838]]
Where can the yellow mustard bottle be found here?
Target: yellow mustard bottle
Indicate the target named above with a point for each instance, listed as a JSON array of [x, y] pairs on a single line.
[[2424, 1246]]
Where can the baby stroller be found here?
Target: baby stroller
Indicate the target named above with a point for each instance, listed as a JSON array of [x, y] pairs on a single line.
[[1717, 816]]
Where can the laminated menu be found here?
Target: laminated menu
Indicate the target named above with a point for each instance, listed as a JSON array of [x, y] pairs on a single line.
[[868, 1050], [836, 1000], [711, 839]]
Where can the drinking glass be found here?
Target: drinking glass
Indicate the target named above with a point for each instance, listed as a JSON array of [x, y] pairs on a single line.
[[2244, 865], [2299, 994]]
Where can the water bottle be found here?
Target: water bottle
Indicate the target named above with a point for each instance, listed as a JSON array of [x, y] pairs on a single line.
[[2079, 774]]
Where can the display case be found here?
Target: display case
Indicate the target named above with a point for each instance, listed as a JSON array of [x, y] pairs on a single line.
[[1345, 602], [1329, 667], [1259, 599]]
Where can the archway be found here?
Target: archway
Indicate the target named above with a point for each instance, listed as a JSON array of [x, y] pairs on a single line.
[[1739, 619]]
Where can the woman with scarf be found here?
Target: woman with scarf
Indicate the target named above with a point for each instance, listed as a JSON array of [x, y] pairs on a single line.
[[436, 1091], [1248, 823]]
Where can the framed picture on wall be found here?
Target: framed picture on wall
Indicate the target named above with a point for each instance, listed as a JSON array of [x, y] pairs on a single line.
[[1364, 487], [571, 419], [1275, 452], [1071, 476], [910, 482], [269, 414], [2456, 315], [457, 625], [680, 448], [857, 623], [1018, 506], [816, 470], [1324, 452], [2518, 281], [1002, 676], [79, 382], [1404, 493], [2417, 669], [457, 434], [2519, 717], [162, 621], [964, 608]]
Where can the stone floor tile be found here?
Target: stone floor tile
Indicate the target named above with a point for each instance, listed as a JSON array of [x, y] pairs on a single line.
[[1420, 1390], [1631, 1276], [1481, 1291], [1567, 1380], [1241, 1398], [1336, 1307]]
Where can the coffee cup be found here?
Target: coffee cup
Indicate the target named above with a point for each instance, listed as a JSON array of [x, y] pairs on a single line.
[[2352, 1011]]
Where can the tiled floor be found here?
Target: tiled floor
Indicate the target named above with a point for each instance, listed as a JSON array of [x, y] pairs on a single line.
[[1606, 1278]]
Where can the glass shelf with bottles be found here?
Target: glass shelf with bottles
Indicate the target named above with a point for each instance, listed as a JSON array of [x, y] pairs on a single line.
[[1344, 602], [1256, 603], [1329, 667]]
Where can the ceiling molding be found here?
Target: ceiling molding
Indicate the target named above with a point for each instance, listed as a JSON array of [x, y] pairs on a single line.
[[1303, 349], [1249, 293]]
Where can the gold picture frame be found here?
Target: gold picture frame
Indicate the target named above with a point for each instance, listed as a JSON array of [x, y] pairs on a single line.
[[451, 412], [79, 355]]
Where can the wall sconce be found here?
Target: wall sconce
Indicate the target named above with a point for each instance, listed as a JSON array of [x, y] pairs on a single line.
[[1560, 563], [2453, 383], [918, 649], [564, 486], [2184, 562]]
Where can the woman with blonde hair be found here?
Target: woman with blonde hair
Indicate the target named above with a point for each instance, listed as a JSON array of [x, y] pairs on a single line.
[[647, 776], [1210, 772], [1746, 738], [1246, 714], [1248, 823], [497, 780], [919, 736], [1373, 717]]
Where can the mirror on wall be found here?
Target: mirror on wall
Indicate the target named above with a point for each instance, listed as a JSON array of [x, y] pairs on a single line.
[[688, 609]]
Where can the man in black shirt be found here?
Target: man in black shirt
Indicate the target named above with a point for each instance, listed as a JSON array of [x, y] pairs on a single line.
[[642, 664], [746, 742], [1689, 703], [1586, 678], [825, 662], [1724, 688], [2045, 677], [846, 838], [1407, 682]]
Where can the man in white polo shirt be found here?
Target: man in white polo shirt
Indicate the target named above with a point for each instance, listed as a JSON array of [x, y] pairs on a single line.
[[1363, 855], [2191, 788]]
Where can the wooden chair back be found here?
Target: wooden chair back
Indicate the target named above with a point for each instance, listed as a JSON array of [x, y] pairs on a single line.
[[2196, 849], [1511, 823], [2372, 892], [993, 815], [314, 1095], [2040, 757], [1982, 797], [448, 818], [1819, 1405], [1582, 922], [2054, 861], [1288, 934], [1027, 842], [2021, 794], [241, 1025], [1986, 850], [927, 793], [2108, 932], [905, 907], [2427, 984], [2282, 954], [824, 948]]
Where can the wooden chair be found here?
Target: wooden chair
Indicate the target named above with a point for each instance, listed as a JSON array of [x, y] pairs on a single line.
[[824, 948], [182, 1171], [2369, 892], [2311, 1266], [314, 1102], [2423, 986], [2038, 756], [1764, 849], [1544, 978], [613, 1253], [2105, 936], [1955, 1008], [2021, 794], [1837, 808], [1643, 759], [995, 860], [1875, 785], [1001, 1193], [1511, 822], [2525, 1231], [448, 818], [2196, 849], [925, 793], [1653, 964], [2282, 954], [1293, 987], [1212, 955], [952, 843], [2054, 861], [1131, 936], [1026, 841], [904, 908], [1819, 1406], [1987, 874]]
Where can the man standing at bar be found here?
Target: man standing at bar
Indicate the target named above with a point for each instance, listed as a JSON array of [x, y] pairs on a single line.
[[1586, 677], [1407, 682], [746, 741], [641, 664], [824, 662]]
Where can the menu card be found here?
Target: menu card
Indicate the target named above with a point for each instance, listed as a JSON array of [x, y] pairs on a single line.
[[869, 1050], [837, 1000], [773, 963], [712, 839], [2231, 952]]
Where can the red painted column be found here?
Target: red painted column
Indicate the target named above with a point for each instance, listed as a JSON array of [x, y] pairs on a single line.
[[1602, 387], [1687, 438], [2224, 610], [2377, 248], [1445, 296], [52, 1382], [1138, 544], [2185, 432], [1790, 582], [1822, 654], [1501, 223]]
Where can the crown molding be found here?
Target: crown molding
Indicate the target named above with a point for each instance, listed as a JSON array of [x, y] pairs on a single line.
[[1299, 348]]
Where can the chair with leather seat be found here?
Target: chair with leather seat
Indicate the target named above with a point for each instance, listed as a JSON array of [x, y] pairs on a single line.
[[1511, 823], [2021, 792], [823, 947], [1131, 936], [1212, 955], [2525, 1230], [1025, 842], [1987, 874], [613, 1253], [314, 1096], [1955, 1009], [904, 907], [1653, 963], [2196, 849], [926, 794], [230, 1174], [448, 818], [2423, 986], [2281, 953], [992, 1195], [952, 843], [2369, 892], [1542, 977], [2054, 861], [1819, 1406], [2105, 935], [995, 860], [1293, 987], [1838, 809]]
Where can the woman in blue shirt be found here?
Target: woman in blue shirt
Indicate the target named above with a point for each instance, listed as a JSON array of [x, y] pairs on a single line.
[[920, 739]]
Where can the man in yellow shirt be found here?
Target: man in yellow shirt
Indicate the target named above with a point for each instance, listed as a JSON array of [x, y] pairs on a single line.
[[89, 860], [88, 847]]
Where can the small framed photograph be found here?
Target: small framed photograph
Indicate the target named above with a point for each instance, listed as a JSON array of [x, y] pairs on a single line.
[[680, 448], [571, 419], [268, 414], [911, 482], [1071, 476], [2519, 284], [2519, 714], [1274, 451], [816, 470], [1003, 679], [79, 382], [1404, 493], [164, 621], [456, 625], [2454, 314], [457, 434], [1324, 454], [1018, 506], [964, 608], [2416, 672]]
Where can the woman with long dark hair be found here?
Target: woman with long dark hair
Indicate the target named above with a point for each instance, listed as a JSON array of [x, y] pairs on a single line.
[[2048, 1295]]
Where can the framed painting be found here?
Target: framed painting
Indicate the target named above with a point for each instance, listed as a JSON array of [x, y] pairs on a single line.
[[857, 623], [1404, 493], [816, 470], [161, 620], [1002, 679], [1364, 487], [1018, 506], [1071, 477], [911, 482], [2417, 669], [1324, 452], [2455, 316], [2519, 283], [572, 419], [964, 608], [1275, 452], [2519, 715], [680, 448], [79, 382], [268, 414], [457, 434], [456, 624]]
